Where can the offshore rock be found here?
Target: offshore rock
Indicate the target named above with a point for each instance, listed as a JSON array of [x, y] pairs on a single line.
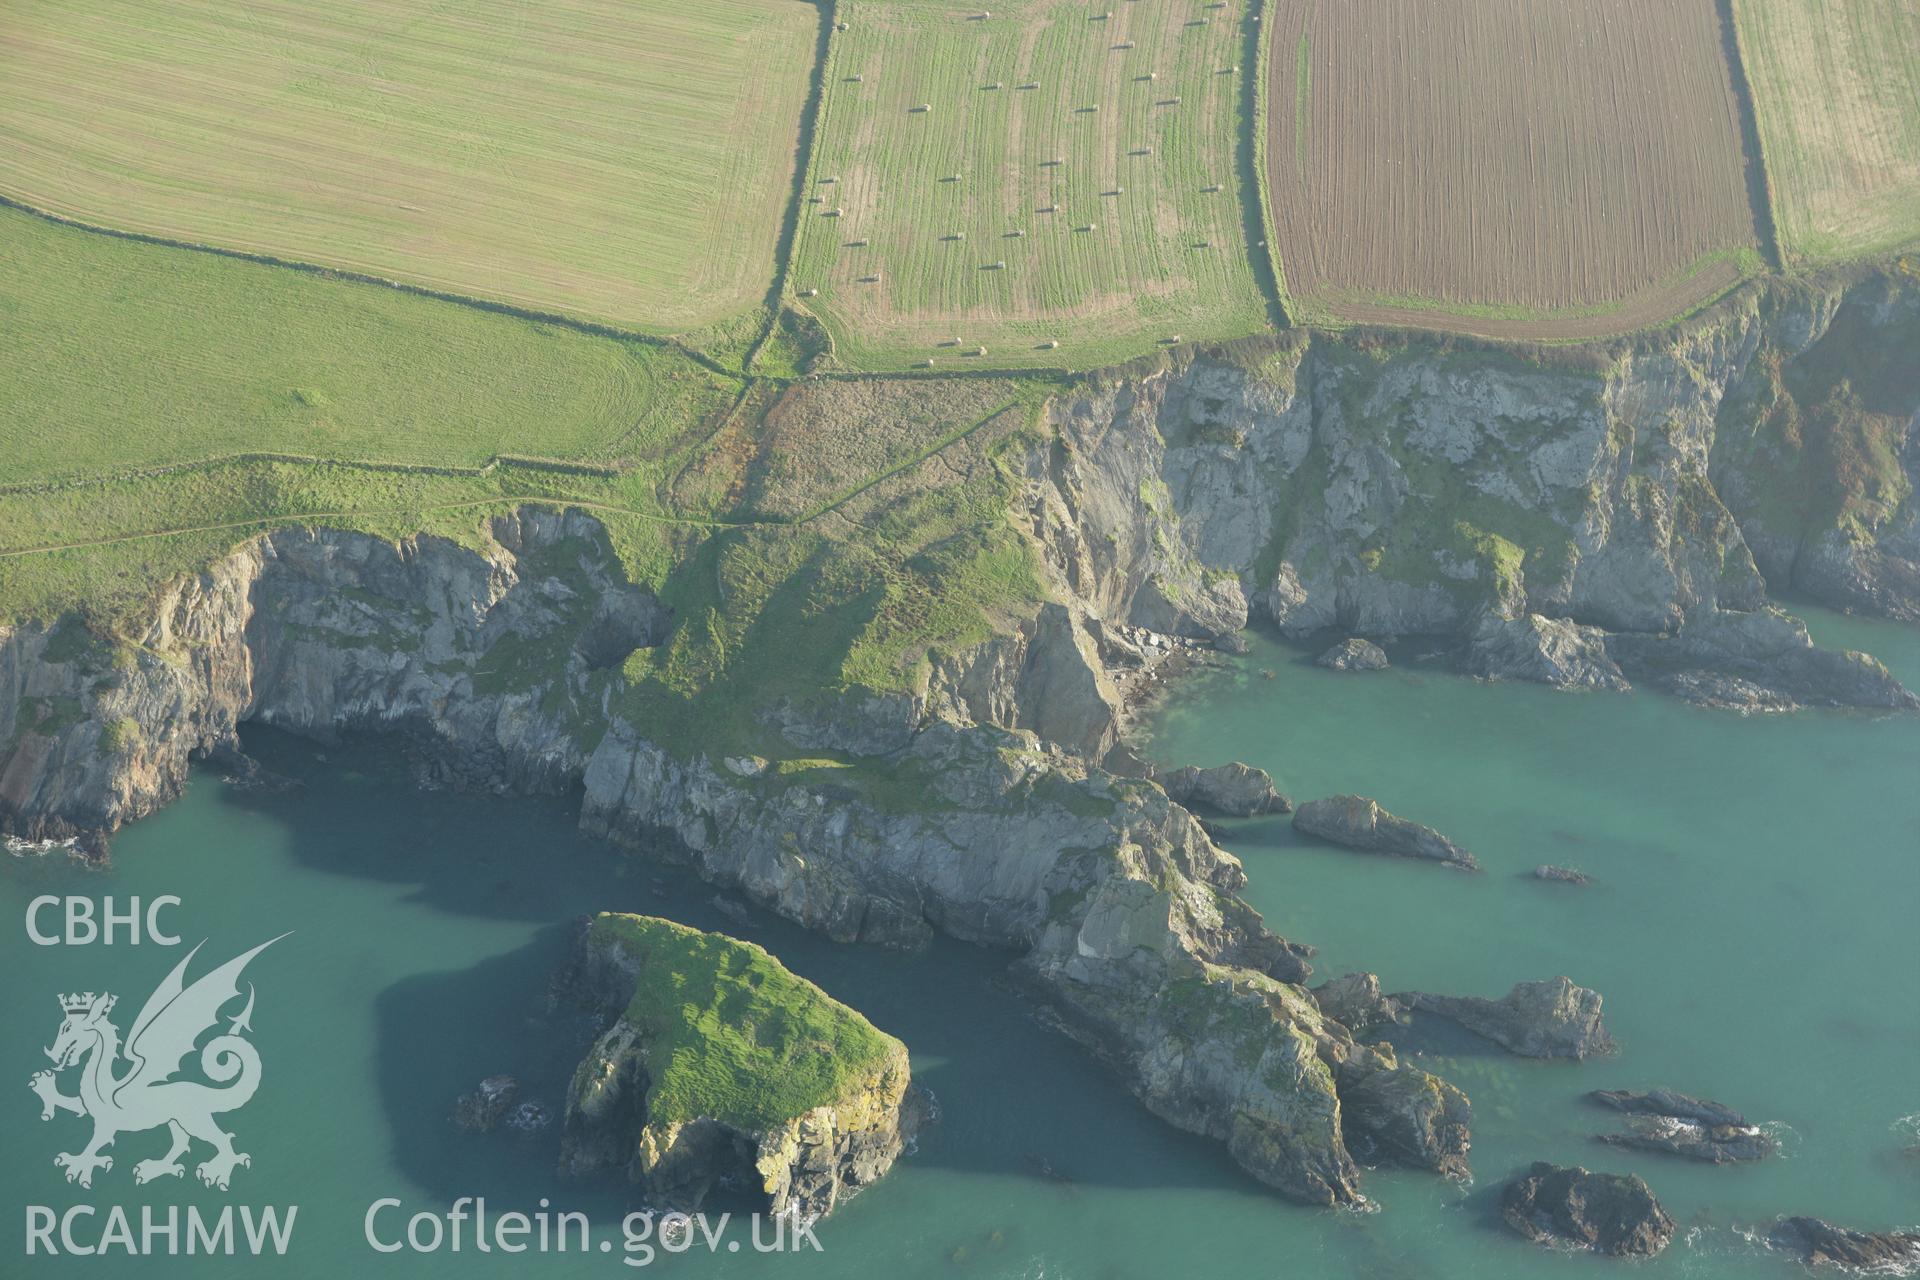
[[1230, 791], [481, 1110], [1662, 1120], [1551, 1019], [1714, 1144], [1354, 655], [1360, 823], [1819, 1243], [1563, 875], [1665, 1102], [1610, 1214]]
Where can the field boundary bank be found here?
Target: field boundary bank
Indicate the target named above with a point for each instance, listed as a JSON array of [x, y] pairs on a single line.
[[294, 519], [596, 328], [498, 460], [1759, 173], [1262, 228], [788, 241]]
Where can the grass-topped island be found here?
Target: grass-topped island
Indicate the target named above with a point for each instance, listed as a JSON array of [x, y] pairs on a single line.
[[723, 1065]]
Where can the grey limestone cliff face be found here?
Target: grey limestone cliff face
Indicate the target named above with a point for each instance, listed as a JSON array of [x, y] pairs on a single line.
[[323, 633], [1586, 524], [1584, 520], [498, 665]]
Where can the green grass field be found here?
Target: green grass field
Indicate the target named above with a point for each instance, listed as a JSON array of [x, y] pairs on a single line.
[[1836, 89], [160, 406], [1121, 244], [625, 161], [122, 355]]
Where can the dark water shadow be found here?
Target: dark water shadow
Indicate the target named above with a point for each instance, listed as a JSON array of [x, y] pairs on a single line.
[[1015, 1097]]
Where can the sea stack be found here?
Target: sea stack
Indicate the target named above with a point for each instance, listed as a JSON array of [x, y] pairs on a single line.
[[721, 1065]]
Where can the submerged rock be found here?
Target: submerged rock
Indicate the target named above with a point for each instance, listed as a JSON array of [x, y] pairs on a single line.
[[1665, 1102], [1230, 790], [1760, 660], [481, 1110], [1354, 655], [1565, 875], [1819, 1243], [1360, 823], [1609, 1213], [723, 1067], [1551, 1019], [1356, 1001]]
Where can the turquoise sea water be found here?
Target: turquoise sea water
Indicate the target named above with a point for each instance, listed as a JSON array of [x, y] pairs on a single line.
[[1752, 928]]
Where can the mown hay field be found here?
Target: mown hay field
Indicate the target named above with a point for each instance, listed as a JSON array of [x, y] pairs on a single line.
[[624, 161], [1071, 179], [1505, 167], [1836, 89]]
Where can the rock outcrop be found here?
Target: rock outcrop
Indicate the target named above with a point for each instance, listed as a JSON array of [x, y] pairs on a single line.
[[1561, 875], [1247, 1059], [1357, 822], [723, 1067], [1819, 1243], [1356, 1001], [482, 1110], [1229, 791], [1662, 1120], [1610, 1214], [1354, 655], [1665, 1102], [1551, 1019]]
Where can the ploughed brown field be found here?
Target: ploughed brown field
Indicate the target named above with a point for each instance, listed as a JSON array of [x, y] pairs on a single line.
[[1505, 167]]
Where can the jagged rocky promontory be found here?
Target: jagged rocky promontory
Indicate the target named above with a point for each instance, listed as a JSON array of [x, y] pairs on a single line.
[[1662, 1120], [1819, 1243], [1609, 1213], [720, 1065], [1357, 822], [1551, 1019]]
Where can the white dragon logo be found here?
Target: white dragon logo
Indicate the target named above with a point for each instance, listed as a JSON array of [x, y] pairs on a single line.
[[146, 1096]]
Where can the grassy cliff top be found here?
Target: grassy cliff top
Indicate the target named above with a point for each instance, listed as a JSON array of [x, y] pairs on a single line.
[[731, 1034]]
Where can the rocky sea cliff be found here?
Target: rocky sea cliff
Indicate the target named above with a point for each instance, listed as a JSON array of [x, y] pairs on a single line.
[[1589, 518]]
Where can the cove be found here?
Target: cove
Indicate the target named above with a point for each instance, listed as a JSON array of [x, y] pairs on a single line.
[[1750, 927]]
